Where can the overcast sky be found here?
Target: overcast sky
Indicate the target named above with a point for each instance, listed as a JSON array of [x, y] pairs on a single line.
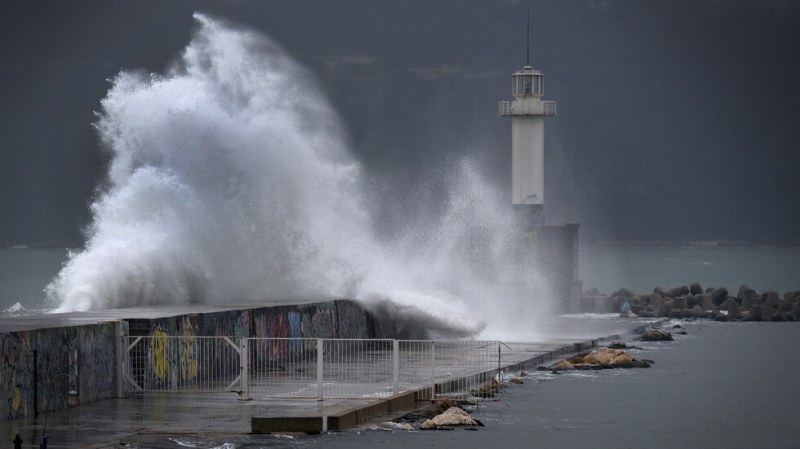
[[677, 120]]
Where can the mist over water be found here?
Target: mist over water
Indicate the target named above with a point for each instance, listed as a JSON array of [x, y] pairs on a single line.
[[230, 181]]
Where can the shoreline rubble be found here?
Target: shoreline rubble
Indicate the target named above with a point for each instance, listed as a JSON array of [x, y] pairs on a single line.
[[692, 301]]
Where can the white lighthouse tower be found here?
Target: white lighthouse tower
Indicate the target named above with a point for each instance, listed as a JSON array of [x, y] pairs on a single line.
[[527, 112]]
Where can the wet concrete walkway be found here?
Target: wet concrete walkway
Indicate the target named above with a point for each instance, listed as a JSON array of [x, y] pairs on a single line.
[[116, 421]]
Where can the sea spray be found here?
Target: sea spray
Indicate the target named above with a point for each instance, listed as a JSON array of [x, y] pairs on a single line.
[[230, 181]]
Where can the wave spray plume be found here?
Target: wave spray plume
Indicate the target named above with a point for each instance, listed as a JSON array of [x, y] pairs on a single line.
[[230, 181]]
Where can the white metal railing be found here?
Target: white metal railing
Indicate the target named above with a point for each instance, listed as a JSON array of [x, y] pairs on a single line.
[[309, 368], [527, 108], [197, 364]]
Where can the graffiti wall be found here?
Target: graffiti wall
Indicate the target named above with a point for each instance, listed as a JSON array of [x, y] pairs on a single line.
[[333, 319], [51, 369]]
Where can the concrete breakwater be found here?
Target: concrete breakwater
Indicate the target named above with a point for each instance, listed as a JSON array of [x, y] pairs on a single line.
[[57, 361], [691, 301]]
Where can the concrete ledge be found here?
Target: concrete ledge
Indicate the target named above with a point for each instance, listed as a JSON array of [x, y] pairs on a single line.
[[368, 412]]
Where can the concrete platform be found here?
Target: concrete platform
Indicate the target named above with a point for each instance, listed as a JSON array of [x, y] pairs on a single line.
[[113, 421], [36, 321]]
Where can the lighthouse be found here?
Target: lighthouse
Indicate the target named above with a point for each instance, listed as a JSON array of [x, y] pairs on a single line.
[[527, 112]]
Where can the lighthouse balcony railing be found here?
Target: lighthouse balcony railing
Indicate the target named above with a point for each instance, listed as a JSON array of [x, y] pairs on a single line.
[[547, 108]]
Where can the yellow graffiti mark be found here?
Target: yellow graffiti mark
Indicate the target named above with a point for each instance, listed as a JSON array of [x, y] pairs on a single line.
[[158, 354], [188, 357]]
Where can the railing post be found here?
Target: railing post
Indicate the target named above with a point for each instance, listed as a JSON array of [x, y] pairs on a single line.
[[121, 357], [499, 364], [244, 368], [320, 367], [395, 365], [433, 371]]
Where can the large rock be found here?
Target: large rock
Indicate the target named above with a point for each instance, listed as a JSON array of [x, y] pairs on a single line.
[[727, 303], [695, 288], [767, 309], [623, 292], [707, 302], [453, 416], [655, 300], [562, 365], [754, 314], [748, 297], [609, 357], [673, 292], [680, 302], [770, 295], [718, 295], [656, 335], [695, 312], [734, 313], [796, 311]]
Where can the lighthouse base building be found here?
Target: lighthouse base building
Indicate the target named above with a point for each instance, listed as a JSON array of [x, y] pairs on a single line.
[[555, 247]]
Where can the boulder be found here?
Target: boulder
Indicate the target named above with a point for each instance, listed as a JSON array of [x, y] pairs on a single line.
[[692, 300], [770, 295], [778, 317], [707, 302], [695, 288], [695, 312], [717, 315], [754, 314], [796, 310], [673, 292], [453, 416], [718, 295], [748, 297], [664, 310], [655, 300], [734, 313], [727, 303], [562, 365], [656, 335], [487, 390], [767, 309], [623, 292], [609, 357], [676, 313], [680, 303]]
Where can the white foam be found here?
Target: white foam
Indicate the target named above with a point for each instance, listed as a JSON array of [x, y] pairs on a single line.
[[231, 182]]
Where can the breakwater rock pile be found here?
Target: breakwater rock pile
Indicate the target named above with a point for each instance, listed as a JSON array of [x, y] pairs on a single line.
[[601, 358], [691, 301]]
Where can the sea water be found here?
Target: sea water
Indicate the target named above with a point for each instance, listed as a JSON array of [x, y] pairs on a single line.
[[642, 268]]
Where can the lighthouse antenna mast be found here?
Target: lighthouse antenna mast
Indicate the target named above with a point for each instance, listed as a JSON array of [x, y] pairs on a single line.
[[528, 40]]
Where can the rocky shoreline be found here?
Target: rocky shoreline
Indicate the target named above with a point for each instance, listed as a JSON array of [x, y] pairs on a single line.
[[692, 301]]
